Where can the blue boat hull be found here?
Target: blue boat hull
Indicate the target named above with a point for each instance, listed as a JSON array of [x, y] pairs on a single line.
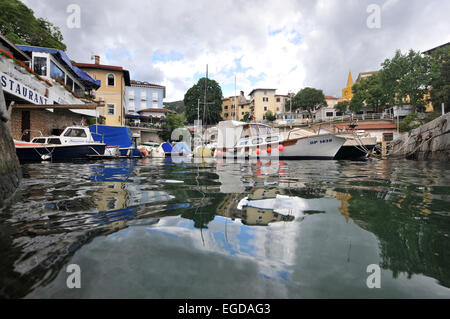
[[58, 152]]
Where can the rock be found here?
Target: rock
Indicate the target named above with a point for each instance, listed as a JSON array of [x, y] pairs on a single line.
[[10, 172], [429, 141]]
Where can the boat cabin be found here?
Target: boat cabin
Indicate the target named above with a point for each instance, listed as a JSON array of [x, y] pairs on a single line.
[[72, 134], [234, 134]]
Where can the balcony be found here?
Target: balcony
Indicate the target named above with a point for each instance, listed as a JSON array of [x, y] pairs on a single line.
[[18, 81]]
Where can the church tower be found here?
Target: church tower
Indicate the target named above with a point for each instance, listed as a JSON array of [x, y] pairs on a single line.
[[347, 93]]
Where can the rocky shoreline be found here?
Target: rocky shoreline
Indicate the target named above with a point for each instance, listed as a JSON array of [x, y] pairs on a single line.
[[10, 172], [430, 141]]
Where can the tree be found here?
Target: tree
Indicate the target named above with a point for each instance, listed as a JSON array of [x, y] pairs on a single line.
[[369, 93], [308, 99], [212, 115], [342, 106], [18, 24], [406, 79], [270, 116], [247, 117], [440, 92], [172, 122]]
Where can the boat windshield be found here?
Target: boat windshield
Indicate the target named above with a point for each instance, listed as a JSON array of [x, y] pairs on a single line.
[[72, 132]]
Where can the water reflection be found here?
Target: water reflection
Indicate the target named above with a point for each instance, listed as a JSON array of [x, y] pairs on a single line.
[[266, 213]]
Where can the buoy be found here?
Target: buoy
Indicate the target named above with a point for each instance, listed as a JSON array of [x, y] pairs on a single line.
[[219, 153], [258, 151], [281, 147], [269, 150], [144, 152]]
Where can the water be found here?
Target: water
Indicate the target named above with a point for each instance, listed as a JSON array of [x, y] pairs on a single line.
[[295, 229]]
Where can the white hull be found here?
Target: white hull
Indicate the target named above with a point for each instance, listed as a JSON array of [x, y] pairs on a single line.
[[311, 147]]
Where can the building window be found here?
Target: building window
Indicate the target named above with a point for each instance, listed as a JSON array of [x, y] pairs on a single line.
[[143, 96], [265, 99], [40, 65], [69, 82], [155, 97], [329, 114], [110, 109], [56, 73], [131, 95], [226, 107], [78, 90], [278, 99], [111, 80], [265, 108], [226, 115]]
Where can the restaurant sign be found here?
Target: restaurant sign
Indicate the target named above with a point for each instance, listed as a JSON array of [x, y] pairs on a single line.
[[16, 88]]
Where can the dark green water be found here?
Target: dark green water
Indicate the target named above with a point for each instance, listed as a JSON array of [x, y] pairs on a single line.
[[298, 229]]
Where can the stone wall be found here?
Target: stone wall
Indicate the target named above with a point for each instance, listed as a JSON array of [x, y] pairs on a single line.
[[430, 141], [10, 172]]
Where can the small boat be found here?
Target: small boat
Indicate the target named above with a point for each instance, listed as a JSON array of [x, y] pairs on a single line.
[[75, 142], [152, 149], [244, 140], [117, 137]]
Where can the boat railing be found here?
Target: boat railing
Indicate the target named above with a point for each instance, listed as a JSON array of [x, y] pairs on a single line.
[[25, 132], [102, 136]]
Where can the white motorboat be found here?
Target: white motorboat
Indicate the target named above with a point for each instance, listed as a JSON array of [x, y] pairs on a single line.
[[245, 140]]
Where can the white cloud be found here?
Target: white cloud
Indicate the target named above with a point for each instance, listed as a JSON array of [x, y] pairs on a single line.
[[285, 45]]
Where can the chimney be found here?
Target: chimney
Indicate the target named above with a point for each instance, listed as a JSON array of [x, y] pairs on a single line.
[[97, 59]]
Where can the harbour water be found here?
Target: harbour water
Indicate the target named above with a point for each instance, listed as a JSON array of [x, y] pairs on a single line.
[[153, 228]]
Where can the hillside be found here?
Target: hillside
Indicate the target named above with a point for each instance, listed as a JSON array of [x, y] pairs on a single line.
[[177, 106]]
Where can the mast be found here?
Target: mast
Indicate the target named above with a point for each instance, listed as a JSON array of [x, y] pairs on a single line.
[[205, 104]]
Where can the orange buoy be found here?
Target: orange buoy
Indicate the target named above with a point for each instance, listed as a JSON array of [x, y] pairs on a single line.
[[281, 147], [269, 150]]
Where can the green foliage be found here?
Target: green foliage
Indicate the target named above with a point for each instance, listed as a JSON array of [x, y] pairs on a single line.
[[406, 78], [412, 121], [212, 115], [172, 122], [18, 24], [247, 117], [308, 99], [369, 93], [177, 106], [441, 77], [270, 116], [342, 106]]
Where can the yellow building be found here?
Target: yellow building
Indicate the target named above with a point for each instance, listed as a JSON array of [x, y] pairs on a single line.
[[281, 101], [261, 101], [235, 108], [112, 91], [347, 93]]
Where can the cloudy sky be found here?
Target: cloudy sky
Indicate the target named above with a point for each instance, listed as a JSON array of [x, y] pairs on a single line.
[[281, 44]]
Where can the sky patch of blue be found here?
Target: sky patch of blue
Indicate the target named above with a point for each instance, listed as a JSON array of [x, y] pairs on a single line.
[[274, 31], [173, 55], [297, 38]]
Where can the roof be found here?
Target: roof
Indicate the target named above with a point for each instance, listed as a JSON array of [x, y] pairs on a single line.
[[63, 58], [382, 126], [126, 73], [365, 74], [437, 48], [145, 83], [328, 97], [154, 109], [261, 90], [16, 51]]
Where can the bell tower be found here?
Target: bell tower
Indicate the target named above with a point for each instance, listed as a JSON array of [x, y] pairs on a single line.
[[347, 93]]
